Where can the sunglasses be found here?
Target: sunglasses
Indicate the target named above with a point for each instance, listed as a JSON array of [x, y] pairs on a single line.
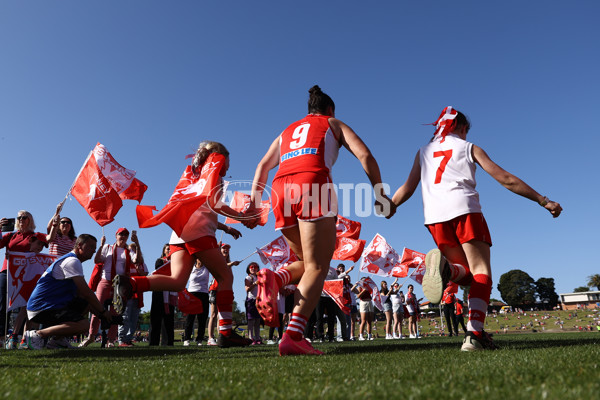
[[65, 222], [22, 217]]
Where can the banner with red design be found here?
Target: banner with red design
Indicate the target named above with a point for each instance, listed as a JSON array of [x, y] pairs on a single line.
[[367, 284], [24, 270], [379, 258], [102, 184], [241, 201], [410, 259], [348, 249], [335, 289], [417, 274], [192, 191], [347, 228], [188, 303], [278, 253]]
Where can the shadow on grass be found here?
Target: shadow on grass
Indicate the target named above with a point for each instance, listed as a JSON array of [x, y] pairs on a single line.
[[160, 352], [505, 343]]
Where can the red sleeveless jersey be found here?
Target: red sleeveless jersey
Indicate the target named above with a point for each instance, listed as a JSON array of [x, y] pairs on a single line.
[[308, 145]]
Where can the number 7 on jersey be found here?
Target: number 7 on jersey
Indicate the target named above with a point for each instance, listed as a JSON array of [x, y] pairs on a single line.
[[447, 154]]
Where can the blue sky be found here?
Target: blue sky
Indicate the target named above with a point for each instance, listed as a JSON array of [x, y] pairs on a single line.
[[151, 79]]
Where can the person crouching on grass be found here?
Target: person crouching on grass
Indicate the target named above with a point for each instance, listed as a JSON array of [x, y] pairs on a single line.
[[62, 299], [446, 169]]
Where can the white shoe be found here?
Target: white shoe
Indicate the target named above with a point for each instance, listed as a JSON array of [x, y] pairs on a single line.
[[34, 340], [271, 342], [211, 342], [412, 337], [436, 276], [361, 337], [396, 336], [369, 337], [62, 343], [186, 343], [199, 343]]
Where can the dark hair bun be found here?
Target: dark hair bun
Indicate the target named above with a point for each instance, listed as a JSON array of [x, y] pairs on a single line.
[[315, 90]]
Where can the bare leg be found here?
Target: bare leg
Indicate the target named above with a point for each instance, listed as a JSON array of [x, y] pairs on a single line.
[[317, 244], [181, 267]]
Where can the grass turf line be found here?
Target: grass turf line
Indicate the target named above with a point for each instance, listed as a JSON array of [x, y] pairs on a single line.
[[528, 366]]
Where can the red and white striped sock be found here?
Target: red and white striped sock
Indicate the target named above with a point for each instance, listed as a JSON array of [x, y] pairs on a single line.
[[295, 328], [460, 274], [225, 311], [479, 298], [283, 277]]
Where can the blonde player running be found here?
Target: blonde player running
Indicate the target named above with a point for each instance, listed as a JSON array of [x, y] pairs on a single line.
[[446, 169]]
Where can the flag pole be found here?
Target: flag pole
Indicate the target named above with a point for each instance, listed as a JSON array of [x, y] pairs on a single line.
[[249, 255], [411, 274]]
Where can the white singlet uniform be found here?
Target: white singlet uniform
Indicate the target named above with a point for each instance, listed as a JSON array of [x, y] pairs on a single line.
[[448, 179]]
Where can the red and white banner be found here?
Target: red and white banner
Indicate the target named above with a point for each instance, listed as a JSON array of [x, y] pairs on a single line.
[[241, 202], [188, 303], [410, 259], [191, 192], [348, 249], [103, 183], [368, 284], [417, 274], [347, 228], [379, 258], [24, 270], [335, 289], [278, 253]]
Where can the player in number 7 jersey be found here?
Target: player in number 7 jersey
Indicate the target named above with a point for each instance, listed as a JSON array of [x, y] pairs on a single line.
[[446, 169]]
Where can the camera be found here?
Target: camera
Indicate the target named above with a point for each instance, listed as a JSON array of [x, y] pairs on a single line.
[[10, 226]]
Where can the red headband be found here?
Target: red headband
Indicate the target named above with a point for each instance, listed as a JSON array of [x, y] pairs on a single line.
[[445, 123]]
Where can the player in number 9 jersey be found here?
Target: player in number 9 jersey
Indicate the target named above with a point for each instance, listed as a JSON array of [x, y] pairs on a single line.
[[305, 152], [445, 167]]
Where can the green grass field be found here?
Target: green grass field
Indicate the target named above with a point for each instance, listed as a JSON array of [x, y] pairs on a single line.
[[528, 366]]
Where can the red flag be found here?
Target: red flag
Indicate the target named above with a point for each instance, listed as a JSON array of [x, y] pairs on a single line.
[[348, 249], [188, 303], [164, 269], [93, 191], [241, 202], [379, 258], [191, 192], [368, 284], [135, 191], [120, 178], [335, 290], [102, 183], [278, 253], [411, 258], [451, 288], [400, 271], [347, 228]]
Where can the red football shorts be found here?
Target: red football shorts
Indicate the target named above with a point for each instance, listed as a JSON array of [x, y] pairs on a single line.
[[305, 196], [195, 246], [460, 230]]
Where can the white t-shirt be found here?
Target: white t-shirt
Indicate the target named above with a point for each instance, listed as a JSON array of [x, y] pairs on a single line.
[[199, 278], [448, 179], [67, 269], [251, 295], [106, 256]]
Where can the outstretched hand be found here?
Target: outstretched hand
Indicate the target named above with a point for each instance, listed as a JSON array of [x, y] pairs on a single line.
[[554, 208]]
